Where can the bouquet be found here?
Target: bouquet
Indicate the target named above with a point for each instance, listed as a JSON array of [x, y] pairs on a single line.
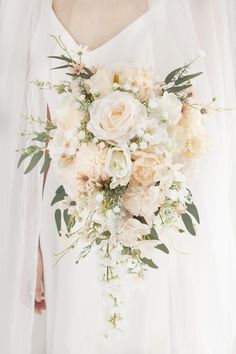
[[123, 144]]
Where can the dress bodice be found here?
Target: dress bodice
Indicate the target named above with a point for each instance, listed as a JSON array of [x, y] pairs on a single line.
[[133, 45]]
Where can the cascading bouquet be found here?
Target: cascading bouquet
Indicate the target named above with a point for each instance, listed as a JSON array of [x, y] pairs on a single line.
[[122, 143]]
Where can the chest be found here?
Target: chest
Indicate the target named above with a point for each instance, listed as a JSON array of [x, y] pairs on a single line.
[[94, 23]]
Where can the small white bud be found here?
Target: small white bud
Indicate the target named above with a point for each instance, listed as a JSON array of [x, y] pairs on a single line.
[[143, 145], [81, 98], [116, 210], [109, 213], [99, 197], [133, 147]]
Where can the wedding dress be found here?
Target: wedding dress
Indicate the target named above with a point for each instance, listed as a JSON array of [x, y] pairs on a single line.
[[187, 305]]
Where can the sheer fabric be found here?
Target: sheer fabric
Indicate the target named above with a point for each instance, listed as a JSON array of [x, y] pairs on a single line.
[[209, 281]]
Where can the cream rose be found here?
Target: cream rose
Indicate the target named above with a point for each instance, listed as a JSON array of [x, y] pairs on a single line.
[[195, 134], [131, 231], [118, 166], [116, 117], [100, 83], [145, 167]]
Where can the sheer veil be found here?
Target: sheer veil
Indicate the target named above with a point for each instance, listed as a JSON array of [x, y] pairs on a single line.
[[200, 24]]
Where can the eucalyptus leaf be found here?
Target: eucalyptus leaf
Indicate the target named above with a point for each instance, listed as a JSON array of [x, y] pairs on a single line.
[[57, 216], [22, 158], [176, 89], [41, 137], [64, 58], [34, 160], [153, 234], [171, 75], [149, 262], [192, 209], [141, 219], [162, 247], [183, 79], [126, 251], [62, 67], [60, 190], [46, 164], [84, 76], [66, 218], [188, 224], [60, 195]]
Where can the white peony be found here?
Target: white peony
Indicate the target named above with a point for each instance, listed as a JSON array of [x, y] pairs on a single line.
[[154, 132], [63, 144], [131, 231], [116, 117], [168, 108], [68, 116]]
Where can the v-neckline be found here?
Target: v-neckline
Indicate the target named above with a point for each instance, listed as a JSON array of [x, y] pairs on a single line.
[[122, 31]]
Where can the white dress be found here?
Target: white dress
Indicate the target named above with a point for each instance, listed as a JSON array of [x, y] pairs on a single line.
[[172, 313]]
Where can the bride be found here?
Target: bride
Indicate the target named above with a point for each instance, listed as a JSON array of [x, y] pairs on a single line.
[[187, 306]]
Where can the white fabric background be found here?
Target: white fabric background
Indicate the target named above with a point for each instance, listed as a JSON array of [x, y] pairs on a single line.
[[20, 208]]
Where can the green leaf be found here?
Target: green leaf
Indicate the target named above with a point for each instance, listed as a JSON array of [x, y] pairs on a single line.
[[46, 164], [57, 216], [41, 137], [176, 89], [171, 75], [183, 79], [98, 241], [153, 234], [60, 195], [62, 57], [192, 209], [158, 211], [22, 158], [84, 76], [106, 234], [126, 251], [62, 67], [162, 248], [34, 160], [188, 224], [66, 217], [141, 219], [149, 262]]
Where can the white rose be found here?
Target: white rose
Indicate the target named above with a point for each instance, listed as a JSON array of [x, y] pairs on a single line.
[[131, 231], [168, 108], [116, 117], [118, 166], [100, 83]]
